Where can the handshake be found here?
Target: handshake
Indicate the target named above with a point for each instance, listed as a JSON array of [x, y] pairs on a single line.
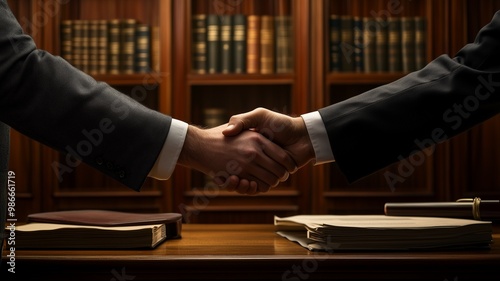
[[250, 154]]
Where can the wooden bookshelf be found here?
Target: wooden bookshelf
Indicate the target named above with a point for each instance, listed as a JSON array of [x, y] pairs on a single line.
[[84, 187], [443, 176], [235, 93], [457, 168]]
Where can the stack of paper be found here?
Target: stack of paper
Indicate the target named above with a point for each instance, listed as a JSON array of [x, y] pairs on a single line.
[[380, 232]]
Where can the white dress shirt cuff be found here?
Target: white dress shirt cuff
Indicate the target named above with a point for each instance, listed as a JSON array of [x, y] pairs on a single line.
[[167, 159], [319, 137]]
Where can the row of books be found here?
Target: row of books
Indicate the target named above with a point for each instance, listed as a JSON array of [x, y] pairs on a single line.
[[119, 46], [241, 44], [368, 44]]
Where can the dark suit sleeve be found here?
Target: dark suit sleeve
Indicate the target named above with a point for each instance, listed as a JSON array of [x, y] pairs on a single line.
[[398, 120], [45, 98]]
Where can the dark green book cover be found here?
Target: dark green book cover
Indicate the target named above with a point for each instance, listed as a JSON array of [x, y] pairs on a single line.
[[199, 44], [114, 47], [394, 51], [102, 43], [369, 44], [408, 43], [127, 45], [420, 33], [213, 43], [381, 45], [66, 40], [347, 43], [226, 43], [93, 47], [143, 48], [284, 55], [239, 43], [334, 24], [358, 45]]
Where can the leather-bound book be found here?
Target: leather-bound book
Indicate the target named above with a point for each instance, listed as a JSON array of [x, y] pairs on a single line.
[[199, 43], [408, 43], [253, 44], [213, 43], [394, 40], [420, 34], [267, 58], [226, 44], [97, 229], [239, 43]]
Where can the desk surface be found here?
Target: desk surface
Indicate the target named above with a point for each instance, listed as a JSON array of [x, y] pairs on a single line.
[[250, 252]]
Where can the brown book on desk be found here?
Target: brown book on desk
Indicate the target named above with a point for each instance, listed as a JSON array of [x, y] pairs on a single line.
[[97, 229], [380, 232]]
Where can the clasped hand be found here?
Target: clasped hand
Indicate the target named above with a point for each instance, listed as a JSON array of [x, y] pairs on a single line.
[[252, 153]]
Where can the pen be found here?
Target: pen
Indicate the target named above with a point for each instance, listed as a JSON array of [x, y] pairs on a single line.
[[473, 208]]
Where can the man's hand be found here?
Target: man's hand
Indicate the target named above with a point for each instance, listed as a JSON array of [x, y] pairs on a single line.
[[247, 163], [288, 132]]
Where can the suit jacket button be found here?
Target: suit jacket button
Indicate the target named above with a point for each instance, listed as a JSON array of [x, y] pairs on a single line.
[[110, 165], [121, 174], [99, 161]]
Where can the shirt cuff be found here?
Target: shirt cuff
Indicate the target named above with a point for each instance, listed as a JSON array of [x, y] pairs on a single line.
[[319, 137], [169, 154]]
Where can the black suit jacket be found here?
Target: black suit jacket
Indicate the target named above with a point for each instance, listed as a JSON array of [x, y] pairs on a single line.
[[45, 98], [447, 97], [48, 100]]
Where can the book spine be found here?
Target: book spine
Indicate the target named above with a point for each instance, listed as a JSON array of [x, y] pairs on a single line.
[[93, 47], [213, 42], [66, 40], [334, 24], [102, 47], [253, 44], [358, 45], [127, 46], [347, 43], [85, 46], [381, 45], [239, 43], [408, 43], [420, 32], [226, 43], [394, 40], [199, 43], [142, 48], [267, 45], [114, 47], [284, 56], [155, 48], [77, 44], [369, 43]]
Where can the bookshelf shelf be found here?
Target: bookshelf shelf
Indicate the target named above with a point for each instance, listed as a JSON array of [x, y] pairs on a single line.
[[240, 79], [184, 89], [149, 79], [68, 29], [347, 78], [260, 65]]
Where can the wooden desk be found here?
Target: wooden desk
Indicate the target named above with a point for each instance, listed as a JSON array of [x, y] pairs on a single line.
[[251, 252]]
